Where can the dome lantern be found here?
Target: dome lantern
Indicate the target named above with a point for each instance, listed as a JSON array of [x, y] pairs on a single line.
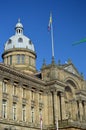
[[19, 27]]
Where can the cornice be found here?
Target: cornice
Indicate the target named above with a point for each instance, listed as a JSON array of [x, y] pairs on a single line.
[[18, 49], [55, 82], [15, 72], [55, 85]]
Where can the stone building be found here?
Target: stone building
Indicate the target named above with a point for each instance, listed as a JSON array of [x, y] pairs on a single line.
[[32, 100]]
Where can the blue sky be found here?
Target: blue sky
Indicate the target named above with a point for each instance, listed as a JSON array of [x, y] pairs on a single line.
[[69, 25]]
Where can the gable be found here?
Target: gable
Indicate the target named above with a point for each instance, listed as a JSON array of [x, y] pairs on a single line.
[[70, 68]]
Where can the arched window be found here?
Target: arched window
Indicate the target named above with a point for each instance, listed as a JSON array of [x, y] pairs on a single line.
[[20, 40], [69, 93], [68, 89]]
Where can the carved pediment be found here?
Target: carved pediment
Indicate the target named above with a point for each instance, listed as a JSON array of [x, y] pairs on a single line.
[[72, 69]]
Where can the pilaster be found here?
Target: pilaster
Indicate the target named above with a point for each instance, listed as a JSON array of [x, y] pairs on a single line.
[[45, 109], [37, 118], [50, 108], [10, 101], [63, 106], [19, 103], [81, 110], [0, 99], [28, 107], [84, 110], [74, 110]]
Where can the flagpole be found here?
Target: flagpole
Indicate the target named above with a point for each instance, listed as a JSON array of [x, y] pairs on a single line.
[[52, 40], [41, 122], [57, 124]]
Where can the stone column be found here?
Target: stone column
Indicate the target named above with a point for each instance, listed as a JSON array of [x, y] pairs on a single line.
[[55, 106], [63, 106], [81, 110], [58, 106], [84, 110]]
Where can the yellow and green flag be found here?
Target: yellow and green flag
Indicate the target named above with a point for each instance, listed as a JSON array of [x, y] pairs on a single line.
[[50, 22]]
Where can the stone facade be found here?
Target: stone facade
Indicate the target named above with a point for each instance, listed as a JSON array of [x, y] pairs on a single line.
[[29, 98]]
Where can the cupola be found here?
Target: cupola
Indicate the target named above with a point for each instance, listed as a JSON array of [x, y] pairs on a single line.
[[19, 51]]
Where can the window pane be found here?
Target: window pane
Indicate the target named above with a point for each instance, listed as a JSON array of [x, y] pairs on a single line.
[[20, 39], [4, 108], [18, 59], [14, 111], [14, 90], [4, 87], [32, 114], [23, 92], [23, 112], [10, 60], [23, 59]]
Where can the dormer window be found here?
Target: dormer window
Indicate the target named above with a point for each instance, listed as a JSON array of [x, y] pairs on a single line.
[[9, 41], [20, 40], [30, 42]]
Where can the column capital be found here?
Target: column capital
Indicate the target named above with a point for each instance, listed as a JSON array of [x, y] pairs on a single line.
[[55, 92], [84, 102], [62, 94], [80, 101]]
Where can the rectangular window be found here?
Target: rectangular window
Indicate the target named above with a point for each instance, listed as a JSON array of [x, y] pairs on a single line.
[[29, 60], [7, 61], [6, 128], [32, 114], [23, 93], [22, 59], [14, 90], [40, 115], [32, 95], [32, 62], [14, 111], [4, 87], [18, 59], [23, 113], [40, 97], [4, 108], [10, 60]]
